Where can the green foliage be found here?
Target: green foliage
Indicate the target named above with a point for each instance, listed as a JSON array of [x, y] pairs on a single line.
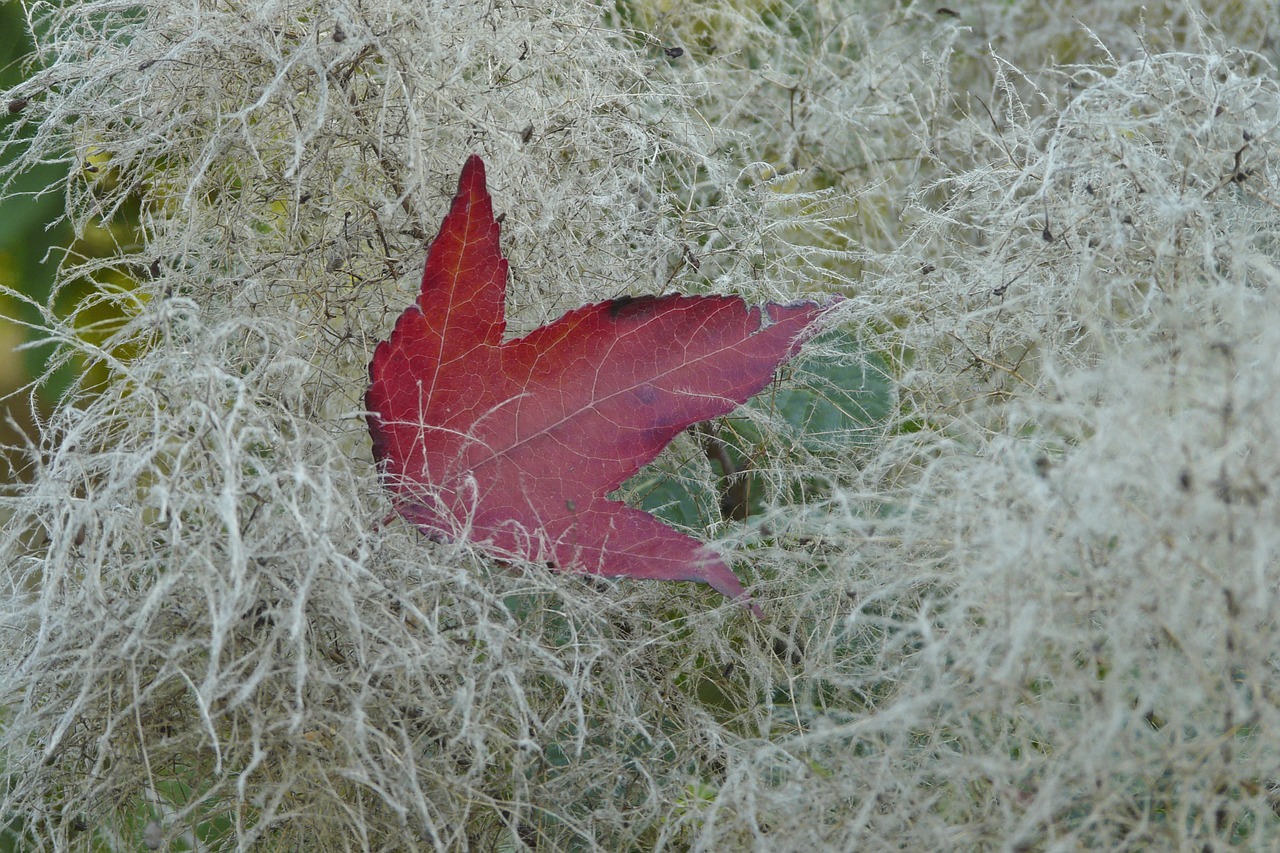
[[32, 204], [834, 398]]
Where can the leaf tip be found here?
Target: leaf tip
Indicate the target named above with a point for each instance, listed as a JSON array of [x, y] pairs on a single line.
[[472, 171]]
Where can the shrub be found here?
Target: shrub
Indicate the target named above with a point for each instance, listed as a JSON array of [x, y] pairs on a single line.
[[1021, 602]]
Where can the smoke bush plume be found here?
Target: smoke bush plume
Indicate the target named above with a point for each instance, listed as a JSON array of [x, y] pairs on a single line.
[[1019, 598]]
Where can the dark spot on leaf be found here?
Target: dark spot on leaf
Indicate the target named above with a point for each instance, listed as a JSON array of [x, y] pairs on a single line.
[[626, 307], [17, 105], [617, 306], [673, 52]]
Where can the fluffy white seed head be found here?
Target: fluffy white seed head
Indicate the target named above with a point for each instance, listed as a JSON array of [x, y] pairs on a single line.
[[1020, 599]]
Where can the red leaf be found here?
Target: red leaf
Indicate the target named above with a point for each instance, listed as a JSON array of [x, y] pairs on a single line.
[[514, 445]]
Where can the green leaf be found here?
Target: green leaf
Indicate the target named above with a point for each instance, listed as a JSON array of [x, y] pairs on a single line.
[[838, 392]]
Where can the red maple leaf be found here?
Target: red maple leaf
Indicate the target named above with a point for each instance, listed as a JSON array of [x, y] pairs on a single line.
[[513, 445]]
